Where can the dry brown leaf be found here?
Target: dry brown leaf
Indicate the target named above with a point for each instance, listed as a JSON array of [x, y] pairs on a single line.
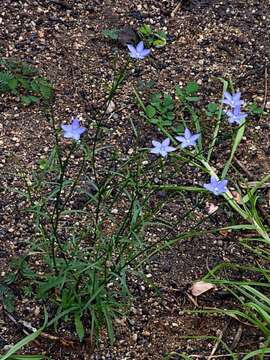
[[200, 287], [237, 197], [212, 208]]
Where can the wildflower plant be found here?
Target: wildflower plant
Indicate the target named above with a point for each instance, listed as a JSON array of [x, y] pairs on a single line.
[[23, 81], [255, 305], [90, 223]]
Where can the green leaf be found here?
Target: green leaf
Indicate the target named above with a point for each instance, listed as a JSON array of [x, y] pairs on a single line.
[[168, 101], [256, 110], [28, 100], [170, 115], [46, 91], [24, 82], [12, 83], [5, 77], [237, 140], [155, 98], [179, 92], [8, 301], [150, 111], [212, 107], [110, 34], [154, 121], [159, 43], [35, 86], [191, 88], [193, 98], [145, 30], [79, 326]]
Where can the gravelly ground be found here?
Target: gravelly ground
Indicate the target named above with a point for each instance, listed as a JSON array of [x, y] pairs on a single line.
[[209, 39]]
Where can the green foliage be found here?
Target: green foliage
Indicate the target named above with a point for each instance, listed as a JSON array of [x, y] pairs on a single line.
[[152, 37], [23, 81], [188, 93], [160, 110], [212, 110], [7, 297], [111, 34], [256, 110]]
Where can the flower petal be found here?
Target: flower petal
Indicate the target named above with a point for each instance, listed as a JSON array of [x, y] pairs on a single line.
[[133, 52], [68, 134], [155, 151], [66, 127], [81, 130], [187, 133], [180, 138], [208, 187], [228, 96], [75, 124], [145, 52], [140, 47], [236, 96], [163, 153], [170, 148], [156, 143], [166, 142], [194, 137]]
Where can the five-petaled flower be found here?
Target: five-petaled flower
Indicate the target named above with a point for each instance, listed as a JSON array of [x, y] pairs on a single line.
[[232, 100], [73, 131], [235, 115], [162, 148], [188, 139], [138, 52], [216, 186]]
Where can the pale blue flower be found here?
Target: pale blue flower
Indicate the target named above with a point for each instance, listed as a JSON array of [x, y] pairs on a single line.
[[73, 131], [188, 139], [216, 186], [138, 52], [232, 100], [235, 115], [162, 148]]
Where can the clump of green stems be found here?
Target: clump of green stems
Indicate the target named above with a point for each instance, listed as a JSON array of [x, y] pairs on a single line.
[[88, 251], [252, 295]]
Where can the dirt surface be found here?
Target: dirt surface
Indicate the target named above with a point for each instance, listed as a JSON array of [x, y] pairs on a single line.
[[208, 39]]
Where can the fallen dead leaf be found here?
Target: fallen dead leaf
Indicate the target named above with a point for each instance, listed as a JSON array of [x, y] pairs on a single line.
[[200, 287], [212, 208]]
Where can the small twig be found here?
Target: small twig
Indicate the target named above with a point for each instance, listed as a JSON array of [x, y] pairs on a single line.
[[218, 341], [21, 325], [237, 337], [176, 9], [242, 167], [192, 299], [26, 326]]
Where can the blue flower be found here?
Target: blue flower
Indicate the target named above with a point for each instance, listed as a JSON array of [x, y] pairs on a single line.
[[232, 100], [138, 52], [162, 148], [188, 139], [216, 186], [235, 115], [73, 131]]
